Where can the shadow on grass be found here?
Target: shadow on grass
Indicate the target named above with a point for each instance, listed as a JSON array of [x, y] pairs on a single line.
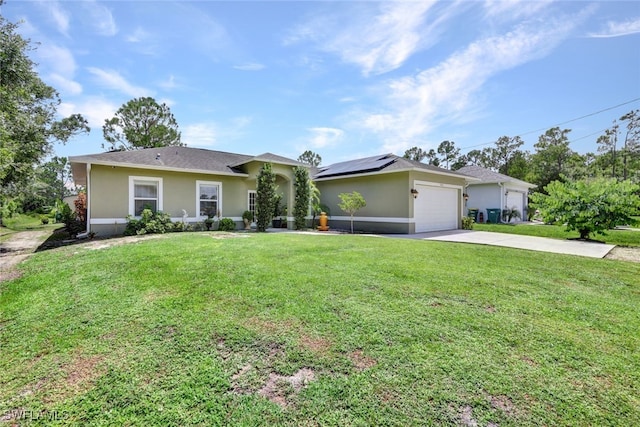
[[59, 237]]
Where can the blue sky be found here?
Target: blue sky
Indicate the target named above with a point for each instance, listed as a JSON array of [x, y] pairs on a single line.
[[343, 79]]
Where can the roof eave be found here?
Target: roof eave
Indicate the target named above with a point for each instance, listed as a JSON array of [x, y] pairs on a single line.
[[86, 160]]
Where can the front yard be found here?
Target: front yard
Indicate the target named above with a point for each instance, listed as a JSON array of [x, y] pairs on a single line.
[[613, 237], [287, 329]]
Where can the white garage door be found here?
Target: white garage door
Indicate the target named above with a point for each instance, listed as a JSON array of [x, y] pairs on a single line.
[[515, 200], [436, 208]]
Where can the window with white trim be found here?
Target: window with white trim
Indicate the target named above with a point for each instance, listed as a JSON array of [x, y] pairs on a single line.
[[251, 205], [208, 195], [144, 193]]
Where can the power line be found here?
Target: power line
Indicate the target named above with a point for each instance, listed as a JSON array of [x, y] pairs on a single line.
[[563, 123]]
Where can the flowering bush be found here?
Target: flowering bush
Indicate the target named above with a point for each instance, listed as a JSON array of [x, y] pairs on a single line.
[[149, 223]]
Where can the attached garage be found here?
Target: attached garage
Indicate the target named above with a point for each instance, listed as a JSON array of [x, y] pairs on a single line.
[[515, 199], [402, 195], [436, 208], [493, 190]]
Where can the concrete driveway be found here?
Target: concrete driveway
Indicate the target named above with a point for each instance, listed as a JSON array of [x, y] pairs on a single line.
[[542, 244]]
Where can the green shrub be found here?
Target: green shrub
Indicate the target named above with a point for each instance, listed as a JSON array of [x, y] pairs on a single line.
[[149, 223], [265, 196], [303, 195], [467, 223], [589, 206], [247, 215], [226, 224], [44, 220]]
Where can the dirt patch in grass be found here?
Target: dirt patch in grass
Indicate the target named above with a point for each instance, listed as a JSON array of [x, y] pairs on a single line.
[[108, 243], [279, 388], [267, 326], [361, 361], [316, 345], [82, 371], [502, 403], [624, 254], [225, 235], [466, 417]]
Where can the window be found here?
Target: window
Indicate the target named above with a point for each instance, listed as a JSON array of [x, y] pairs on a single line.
[[144, 193], [251, 206], [208, 198]]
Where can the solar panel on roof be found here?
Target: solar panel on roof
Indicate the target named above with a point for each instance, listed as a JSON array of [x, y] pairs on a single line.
[[354, 166]]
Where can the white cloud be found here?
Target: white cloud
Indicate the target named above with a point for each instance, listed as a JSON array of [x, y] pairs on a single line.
[[169, 83], [323, 137], [414, 105], [138, 36], [64, 85], [59, 59], [380, 40], [168, 101], [619, 29], [95, 109], [514, 9], [199, 135], [102, 20], [57, 14], [208, 134], [249, 67], [113, 80], [59, 68]]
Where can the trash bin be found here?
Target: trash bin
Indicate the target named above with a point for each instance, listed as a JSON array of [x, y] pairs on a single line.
[[493, 215], [473, 213]]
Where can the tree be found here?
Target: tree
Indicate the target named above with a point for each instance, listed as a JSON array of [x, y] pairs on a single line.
[[549, 162], [506, 148], [28, 106], [589, 206], [448, 152], [265, 196], [631, 148], [460, 162], [415, 153], [141, 123], [310, 158], [303, 194], [475, 157], [351, 203], [56, 174], [49, 183], [608, 145], [519, 165], [432, 158]]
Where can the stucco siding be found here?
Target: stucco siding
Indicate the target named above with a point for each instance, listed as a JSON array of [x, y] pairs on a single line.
[[483, 197], [492, 196], [110, 191], [387, 195]]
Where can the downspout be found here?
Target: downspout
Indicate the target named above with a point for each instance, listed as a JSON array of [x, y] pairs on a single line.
[[88, 197], [503, 200]]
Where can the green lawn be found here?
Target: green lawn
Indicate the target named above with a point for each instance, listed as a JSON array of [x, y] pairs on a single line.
[[286, 329], [22, 222], [613, 237]]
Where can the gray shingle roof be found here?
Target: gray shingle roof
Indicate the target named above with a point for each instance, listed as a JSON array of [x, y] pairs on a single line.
[[487, 176], [181, 158], [381, 163]]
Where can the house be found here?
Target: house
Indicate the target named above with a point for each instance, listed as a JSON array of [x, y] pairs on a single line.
[[187, 183], [403, 196], [190, 184], [494, 190]]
